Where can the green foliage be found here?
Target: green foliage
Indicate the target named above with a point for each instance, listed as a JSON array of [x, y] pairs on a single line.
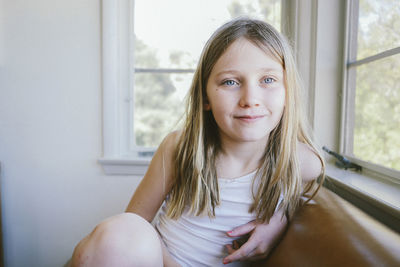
[[378, 27], [377, 107], [268, 9], [145, 57], [179, 59], [156, 107]]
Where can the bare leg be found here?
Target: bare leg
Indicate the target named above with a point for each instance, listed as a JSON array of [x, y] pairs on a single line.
[[123, 240]]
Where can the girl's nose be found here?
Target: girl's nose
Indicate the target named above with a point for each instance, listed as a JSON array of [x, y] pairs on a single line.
[[249, 97]]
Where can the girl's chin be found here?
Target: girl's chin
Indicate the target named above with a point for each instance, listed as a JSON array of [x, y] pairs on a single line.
[[262, 139], [246, 136]]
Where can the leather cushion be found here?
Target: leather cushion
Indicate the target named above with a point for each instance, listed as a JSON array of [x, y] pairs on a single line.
[[330, 231]]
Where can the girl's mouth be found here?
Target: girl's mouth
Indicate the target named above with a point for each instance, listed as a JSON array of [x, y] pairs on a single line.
[[249, 118]]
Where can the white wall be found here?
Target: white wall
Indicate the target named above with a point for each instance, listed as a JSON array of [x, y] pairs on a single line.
[[329, 40], [53, 191]]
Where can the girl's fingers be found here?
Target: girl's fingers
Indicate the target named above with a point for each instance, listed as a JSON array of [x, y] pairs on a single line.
[[243, 229], [230, 249], [258, 253], [242, 253]]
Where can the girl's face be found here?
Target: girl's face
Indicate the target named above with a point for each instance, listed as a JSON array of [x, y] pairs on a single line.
[[246, 93]]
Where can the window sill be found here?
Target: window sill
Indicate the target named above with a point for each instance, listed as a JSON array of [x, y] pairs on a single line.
[[375, 195], [125, 166]]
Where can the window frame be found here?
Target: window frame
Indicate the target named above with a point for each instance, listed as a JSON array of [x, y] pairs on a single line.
[[349, 91], [323, 28], [117, 81]]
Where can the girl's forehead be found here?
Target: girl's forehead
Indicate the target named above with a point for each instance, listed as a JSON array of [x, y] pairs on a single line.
[[243, 51]]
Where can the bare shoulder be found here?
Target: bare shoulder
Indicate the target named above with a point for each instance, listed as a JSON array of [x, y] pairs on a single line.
[[163, 158], [310, 164], [170, 142], [157, 182]]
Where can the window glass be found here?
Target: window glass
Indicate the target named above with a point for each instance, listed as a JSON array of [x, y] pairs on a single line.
[[378, 26], [169, 37], [377, 115], [374, 85], [159, 105]]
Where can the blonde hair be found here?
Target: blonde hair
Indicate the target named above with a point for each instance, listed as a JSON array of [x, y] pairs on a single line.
[[195, 185]]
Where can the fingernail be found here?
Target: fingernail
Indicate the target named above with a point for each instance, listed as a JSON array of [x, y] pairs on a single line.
[[225, 261]]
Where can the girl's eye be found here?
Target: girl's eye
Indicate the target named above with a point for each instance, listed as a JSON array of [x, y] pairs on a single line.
[[269, 80], [230, 82]]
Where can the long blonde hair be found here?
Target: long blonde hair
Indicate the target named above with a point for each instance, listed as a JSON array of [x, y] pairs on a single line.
[[196, 185]]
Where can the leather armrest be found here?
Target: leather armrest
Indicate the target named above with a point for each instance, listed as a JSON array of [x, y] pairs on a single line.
[[330, 231]]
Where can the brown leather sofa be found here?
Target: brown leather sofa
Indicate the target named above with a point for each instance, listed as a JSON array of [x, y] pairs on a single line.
[[330, 231]]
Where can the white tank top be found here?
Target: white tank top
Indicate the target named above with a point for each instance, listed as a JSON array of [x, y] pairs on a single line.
[[200, 240]]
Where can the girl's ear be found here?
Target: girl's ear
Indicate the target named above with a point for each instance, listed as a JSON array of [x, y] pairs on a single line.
[[206, 105]]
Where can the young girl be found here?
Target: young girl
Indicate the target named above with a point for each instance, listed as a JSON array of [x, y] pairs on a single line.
[[232, 175]]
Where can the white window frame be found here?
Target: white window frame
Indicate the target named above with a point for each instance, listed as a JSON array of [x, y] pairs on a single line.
[[349, 88], [117, 68]]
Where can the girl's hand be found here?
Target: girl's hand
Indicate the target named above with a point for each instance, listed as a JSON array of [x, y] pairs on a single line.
[[262, 238]]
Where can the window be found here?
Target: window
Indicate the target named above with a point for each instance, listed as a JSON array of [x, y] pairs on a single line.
[[372, 104]]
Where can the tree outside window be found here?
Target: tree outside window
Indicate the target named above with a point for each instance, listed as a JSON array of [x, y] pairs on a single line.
[[376, 132]]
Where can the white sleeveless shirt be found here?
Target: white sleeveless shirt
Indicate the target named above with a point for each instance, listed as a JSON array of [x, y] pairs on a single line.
[[200, 240]]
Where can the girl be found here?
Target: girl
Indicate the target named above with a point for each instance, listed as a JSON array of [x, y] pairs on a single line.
[[242, 161]]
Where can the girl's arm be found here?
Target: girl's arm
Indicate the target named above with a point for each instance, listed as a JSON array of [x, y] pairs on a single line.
[[154, 187], [310, 165], [157, 181]]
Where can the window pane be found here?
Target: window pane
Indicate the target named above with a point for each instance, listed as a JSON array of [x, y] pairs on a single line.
[[377, 114], [378, 27], [159, 104], [172, 33]]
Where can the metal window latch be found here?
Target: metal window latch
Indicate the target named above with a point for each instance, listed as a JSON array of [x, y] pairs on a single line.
[[342, 162]]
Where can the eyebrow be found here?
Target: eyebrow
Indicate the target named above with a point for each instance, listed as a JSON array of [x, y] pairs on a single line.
[[268, 70], [227, 72], [272, 69]]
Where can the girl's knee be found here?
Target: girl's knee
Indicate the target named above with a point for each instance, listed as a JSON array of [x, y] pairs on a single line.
[[122, 240], [121, 224], [129, 230]]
